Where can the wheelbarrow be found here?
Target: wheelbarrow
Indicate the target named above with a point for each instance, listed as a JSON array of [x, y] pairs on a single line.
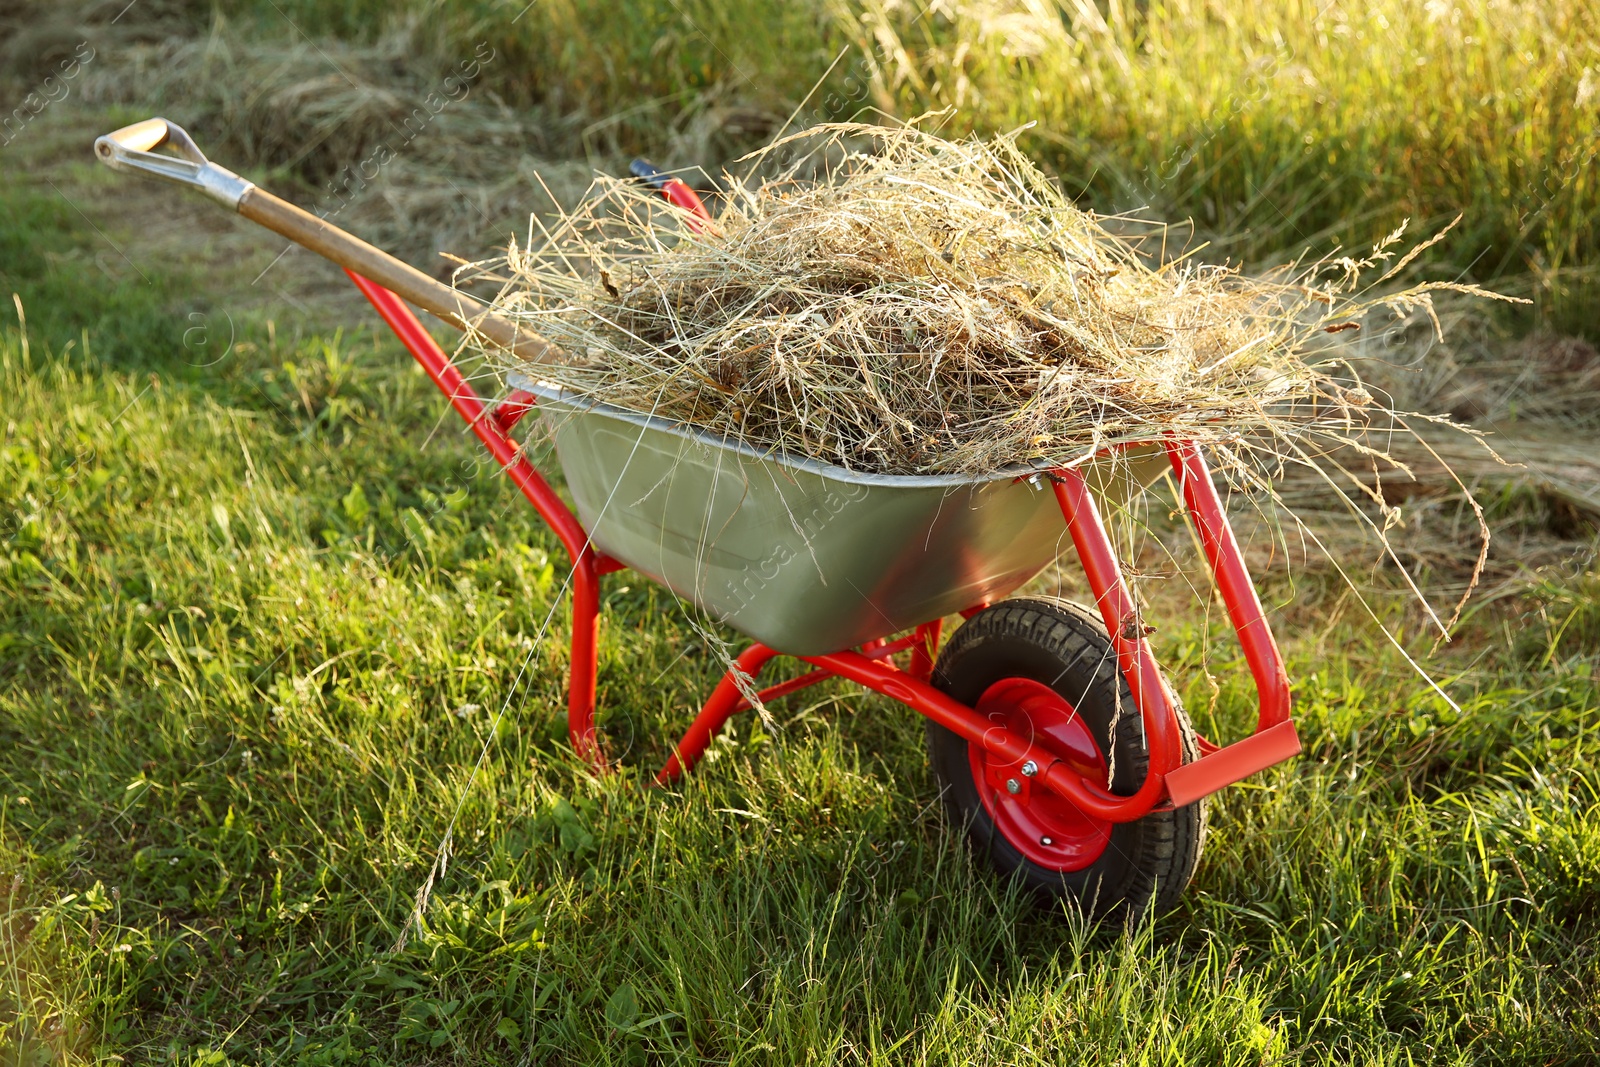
[[1058, 746]]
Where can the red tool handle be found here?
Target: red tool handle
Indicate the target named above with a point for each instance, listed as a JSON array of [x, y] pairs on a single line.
[[674, 189]]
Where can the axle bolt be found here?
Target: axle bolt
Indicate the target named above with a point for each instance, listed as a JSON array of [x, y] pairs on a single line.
[[1030, 769], [1013, 786], [1046, 842]]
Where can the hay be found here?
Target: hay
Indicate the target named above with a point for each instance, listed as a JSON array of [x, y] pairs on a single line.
[[931, 306], [375, 137]]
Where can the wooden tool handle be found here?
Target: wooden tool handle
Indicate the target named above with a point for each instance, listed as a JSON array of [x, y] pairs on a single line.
[[409, 283]]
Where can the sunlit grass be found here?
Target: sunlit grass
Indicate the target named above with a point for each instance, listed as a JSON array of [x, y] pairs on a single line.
[[268, 630]]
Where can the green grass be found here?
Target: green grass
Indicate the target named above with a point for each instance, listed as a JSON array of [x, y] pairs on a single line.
[[269, 629]]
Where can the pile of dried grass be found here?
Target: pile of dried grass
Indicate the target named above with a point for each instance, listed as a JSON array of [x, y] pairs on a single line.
[[933, 306], [382, 138]]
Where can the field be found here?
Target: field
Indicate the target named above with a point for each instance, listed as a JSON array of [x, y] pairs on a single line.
[[278, 650]]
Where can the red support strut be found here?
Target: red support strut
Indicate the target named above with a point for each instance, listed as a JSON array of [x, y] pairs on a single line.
[[1233, 582], [728, 699], [1123, 626], [1275, 739]]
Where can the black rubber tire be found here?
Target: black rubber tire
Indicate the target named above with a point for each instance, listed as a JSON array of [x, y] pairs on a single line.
[[1063, 645]]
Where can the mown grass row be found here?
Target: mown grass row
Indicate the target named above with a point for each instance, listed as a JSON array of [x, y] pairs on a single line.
[[271, 632]]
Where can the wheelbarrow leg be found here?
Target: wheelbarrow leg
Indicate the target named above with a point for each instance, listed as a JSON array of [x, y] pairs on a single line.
[[585, 661]]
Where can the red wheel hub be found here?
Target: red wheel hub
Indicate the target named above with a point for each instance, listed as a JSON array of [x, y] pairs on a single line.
[[1049, 830]]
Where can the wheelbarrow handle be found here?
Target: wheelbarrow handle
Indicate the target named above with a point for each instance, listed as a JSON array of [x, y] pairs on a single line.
[[132, 149]]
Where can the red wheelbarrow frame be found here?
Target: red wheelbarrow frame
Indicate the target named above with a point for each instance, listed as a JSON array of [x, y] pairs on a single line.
[[1169, 780]]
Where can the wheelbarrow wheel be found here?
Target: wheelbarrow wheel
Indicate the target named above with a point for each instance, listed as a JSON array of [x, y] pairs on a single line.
[[1045, 668]]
